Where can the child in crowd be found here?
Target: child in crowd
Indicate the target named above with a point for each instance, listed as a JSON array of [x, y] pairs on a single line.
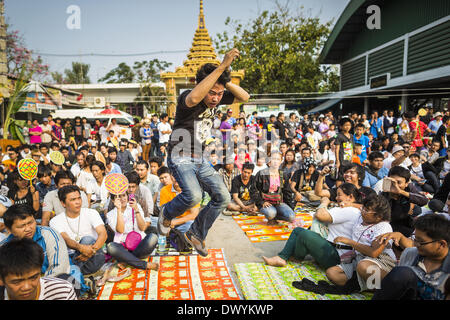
[[371, 257]]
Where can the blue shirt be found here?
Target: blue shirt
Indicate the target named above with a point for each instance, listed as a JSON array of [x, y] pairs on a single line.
[[154, 127], [376, 127], [364, 141], [434, 125], [115, 168], [370, 180], [43, 189]]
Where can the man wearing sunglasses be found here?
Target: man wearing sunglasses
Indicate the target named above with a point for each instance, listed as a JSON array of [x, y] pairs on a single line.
[[424, 267]]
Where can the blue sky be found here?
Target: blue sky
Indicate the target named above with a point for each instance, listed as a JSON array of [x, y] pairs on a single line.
[[134, 26]]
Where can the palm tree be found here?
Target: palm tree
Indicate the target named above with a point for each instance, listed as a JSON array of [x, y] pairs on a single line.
[[152, 97], [16, 101]]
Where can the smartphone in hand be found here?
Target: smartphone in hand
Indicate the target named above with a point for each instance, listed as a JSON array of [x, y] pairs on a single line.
[[387, 183]]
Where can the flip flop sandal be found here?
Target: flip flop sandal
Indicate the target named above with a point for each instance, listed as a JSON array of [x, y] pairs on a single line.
[[105, 277], [120, 277]]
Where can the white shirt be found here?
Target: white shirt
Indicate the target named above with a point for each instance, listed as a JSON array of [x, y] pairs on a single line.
[[98, 192], [343, 221], [366, 234], [257, 169], [75, 169], [84, 179], [163, 138], [418, 171], [103, 134], [81, 226], [313, 139], [135, 153], [387, 163], [46, 138], [52, 203], [445, 170], [128, 223]]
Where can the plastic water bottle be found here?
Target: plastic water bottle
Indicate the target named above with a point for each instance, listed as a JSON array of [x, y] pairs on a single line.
[[161, 243]]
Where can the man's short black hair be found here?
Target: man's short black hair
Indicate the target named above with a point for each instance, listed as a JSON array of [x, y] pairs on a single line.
[[44, 171], [158, 160], [112, 150], [435, 226], [17, 212], [206, 69], [64, 191], [248, 166], [19, 257], [375, 155], [400, 172], [344, 121], [99, 164], [64, 174], [133, 177], [163, 170], [140, 162]]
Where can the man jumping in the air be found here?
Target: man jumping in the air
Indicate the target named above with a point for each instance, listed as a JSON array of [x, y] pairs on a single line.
[[192, 127]]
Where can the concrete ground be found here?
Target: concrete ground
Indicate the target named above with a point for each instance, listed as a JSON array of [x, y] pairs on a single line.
[[225, 233]]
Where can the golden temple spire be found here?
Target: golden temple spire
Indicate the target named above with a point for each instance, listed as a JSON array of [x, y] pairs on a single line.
[[201, 17]]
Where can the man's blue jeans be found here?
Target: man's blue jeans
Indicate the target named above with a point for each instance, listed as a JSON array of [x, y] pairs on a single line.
[[94, 263], [134, 258], [281, 212], [194, 176]]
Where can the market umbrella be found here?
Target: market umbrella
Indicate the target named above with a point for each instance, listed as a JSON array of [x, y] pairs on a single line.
[[110, 111]]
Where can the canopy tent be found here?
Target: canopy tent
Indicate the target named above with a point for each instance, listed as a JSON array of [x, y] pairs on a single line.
[[326, 105], [38, 99]]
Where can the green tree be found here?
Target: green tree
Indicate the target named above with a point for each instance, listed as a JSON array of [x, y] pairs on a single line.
[[151, 97], [120, 74], [57, 77], [279, 52], [143, 72], [149, 71], [78, 73]]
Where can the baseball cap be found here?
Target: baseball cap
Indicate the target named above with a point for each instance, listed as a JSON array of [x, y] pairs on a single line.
[[397, 149], [45, 120]]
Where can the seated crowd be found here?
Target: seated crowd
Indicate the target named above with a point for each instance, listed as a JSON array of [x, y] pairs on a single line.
[[379, 188]]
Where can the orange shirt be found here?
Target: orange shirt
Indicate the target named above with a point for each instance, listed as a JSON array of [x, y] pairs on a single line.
[[167, 193], [356, 159]]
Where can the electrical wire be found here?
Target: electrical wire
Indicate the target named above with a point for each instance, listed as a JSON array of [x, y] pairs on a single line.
[[92, 54]]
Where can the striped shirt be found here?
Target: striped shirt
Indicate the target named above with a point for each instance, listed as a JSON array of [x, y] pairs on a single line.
[[54, 289]]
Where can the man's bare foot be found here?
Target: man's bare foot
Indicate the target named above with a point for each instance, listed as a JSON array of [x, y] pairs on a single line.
[[153, 266], [272, 222], [275, 261]]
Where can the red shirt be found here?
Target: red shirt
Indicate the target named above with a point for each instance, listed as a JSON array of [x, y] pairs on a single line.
[[420, 128]]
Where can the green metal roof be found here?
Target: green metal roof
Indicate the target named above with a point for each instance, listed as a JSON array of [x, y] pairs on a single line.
[[350, 36], [330, 51]]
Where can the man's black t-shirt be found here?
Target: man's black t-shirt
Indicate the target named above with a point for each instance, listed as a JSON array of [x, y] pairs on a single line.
[[192, 126], [442, 132], [244, 191], [78, 130], [346, 147], [280, 126]]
